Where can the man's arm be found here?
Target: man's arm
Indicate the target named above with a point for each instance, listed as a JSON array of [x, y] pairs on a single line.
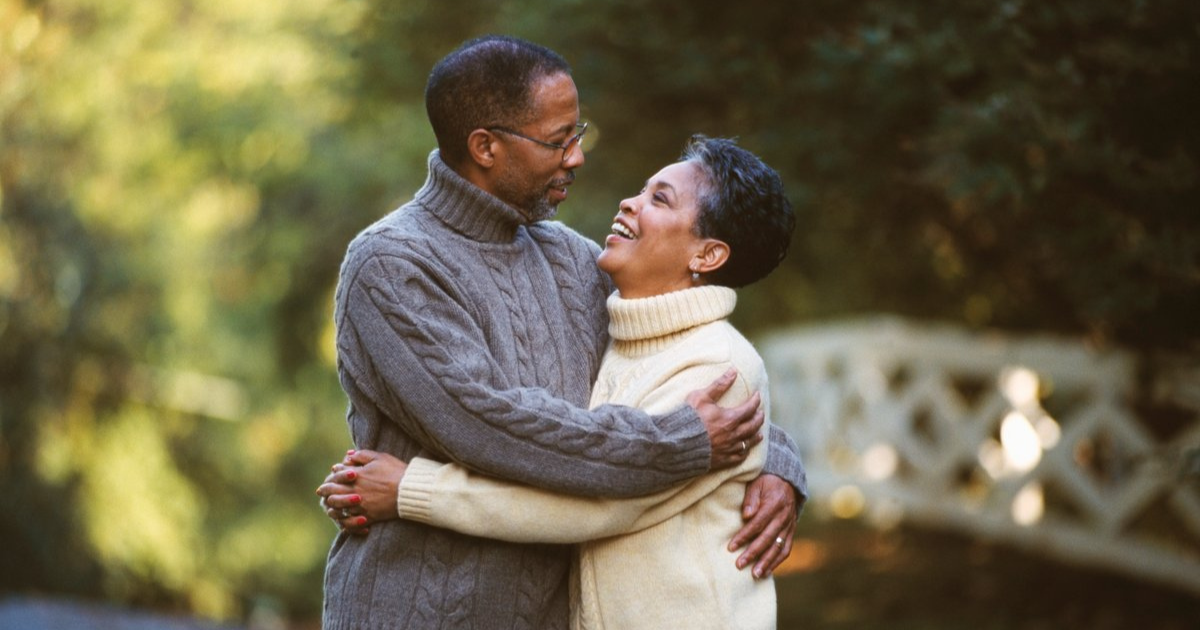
[[783, 461], [410, 344]]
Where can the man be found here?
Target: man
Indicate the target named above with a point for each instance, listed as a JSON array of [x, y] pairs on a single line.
[[470, 329]]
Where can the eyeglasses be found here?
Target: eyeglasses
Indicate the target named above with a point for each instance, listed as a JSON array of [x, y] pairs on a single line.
[[571, 143]]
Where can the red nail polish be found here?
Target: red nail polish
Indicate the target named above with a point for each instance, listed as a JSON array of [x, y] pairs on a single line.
[[355, 499], [360, 521], [352, 475]]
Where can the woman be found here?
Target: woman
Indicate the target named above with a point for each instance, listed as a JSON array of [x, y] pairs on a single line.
[[711, 222]]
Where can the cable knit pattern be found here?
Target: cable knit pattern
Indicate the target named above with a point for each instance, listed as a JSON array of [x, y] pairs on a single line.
[[510, 297], [464, 333], [580, 300], [650, 562]]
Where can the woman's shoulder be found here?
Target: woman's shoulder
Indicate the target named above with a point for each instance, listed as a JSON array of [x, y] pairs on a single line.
[[719, 346], [726, 340]]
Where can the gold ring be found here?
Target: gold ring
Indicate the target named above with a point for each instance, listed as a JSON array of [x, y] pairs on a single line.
[[743, 446]]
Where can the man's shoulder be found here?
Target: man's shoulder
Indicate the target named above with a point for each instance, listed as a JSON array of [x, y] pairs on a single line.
[[397, 232], [404, 224], [403, 234]]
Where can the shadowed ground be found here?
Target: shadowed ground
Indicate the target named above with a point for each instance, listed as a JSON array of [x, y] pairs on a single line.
[[841, 575], [34, 613]]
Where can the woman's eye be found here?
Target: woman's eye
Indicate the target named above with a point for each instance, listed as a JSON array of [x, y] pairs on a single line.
[[660, 198]]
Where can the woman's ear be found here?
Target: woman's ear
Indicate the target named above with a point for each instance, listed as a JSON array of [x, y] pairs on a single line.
[[480, 146], [712, 256]]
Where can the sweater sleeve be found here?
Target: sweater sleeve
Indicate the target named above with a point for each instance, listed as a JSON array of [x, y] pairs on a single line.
[[783, 461], [408, 340], [452, 497]]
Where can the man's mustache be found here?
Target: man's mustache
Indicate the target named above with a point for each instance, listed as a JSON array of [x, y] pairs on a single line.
[[558, 183]]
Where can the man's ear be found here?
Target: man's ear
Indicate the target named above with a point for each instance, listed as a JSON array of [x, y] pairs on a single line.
[[712, 256], [481, 146]]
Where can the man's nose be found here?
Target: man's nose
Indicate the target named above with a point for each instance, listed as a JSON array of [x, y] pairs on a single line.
[[575, 157]]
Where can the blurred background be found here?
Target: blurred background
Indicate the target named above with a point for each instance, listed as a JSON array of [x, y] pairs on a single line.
[[179, 181]]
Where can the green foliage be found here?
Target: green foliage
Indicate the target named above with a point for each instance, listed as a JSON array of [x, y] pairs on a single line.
[[178, 182], [155, 407], [1013, 164]]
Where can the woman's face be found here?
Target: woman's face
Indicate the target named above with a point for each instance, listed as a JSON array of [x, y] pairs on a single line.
[[653, 242]]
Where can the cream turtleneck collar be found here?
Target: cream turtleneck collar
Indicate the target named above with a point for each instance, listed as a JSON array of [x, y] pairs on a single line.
[[646, 325]]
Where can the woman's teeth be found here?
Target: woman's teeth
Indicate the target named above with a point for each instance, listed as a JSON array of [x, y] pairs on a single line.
[[621, 230]]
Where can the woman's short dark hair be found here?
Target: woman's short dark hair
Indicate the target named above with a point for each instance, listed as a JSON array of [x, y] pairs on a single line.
[[485, 82], [742, 203]]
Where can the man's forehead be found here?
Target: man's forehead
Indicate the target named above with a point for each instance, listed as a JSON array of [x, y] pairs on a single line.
[[556, 102]]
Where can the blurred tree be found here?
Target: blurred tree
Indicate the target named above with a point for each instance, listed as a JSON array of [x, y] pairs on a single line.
[[1026, 165], [170, 195]]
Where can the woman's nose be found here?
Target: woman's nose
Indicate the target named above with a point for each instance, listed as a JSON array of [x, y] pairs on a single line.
[[626, 206]]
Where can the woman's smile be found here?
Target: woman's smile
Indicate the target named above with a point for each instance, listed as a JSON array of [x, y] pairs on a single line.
[[653, 237], [621, 230]]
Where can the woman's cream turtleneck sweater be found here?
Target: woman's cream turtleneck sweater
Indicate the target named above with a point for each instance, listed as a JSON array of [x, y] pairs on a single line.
[[659, 561]]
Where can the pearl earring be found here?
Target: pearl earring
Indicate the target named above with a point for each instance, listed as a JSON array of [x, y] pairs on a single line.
[[695, 276]]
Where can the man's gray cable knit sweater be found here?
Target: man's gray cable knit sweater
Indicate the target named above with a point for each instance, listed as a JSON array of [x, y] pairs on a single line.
[[469, 335]]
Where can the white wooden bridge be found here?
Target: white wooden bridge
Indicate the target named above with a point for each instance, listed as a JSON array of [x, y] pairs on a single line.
[[1031, 441]]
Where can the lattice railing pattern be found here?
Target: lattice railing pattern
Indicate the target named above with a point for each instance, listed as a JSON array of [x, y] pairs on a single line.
[[1033, 441]]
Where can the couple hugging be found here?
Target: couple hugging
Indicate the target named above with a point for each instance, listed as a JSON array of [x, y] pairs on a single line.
[[550, 434]]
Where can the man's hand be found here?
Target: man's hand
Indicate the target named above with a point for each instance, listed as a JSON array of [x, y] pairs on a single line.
[[361, 490], [732, 432], [769, 510]]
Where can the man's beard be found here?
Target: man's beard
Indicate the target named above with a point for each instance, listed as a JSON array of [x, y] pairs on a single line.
[[534, 204], [541, 210]]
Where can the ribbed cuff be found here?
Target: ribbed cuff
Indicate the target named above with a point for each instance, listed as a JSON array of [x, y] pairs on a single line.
[[783, 460], [415, 496]]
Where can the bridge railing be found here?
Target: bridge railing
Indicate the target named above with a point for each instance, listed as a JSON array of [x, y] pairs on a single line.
[[1038, 442]]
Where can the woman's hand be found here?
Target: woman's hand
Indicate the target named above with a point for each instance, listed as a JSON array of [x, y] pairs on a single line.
[[362, 489], [770, 511]]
